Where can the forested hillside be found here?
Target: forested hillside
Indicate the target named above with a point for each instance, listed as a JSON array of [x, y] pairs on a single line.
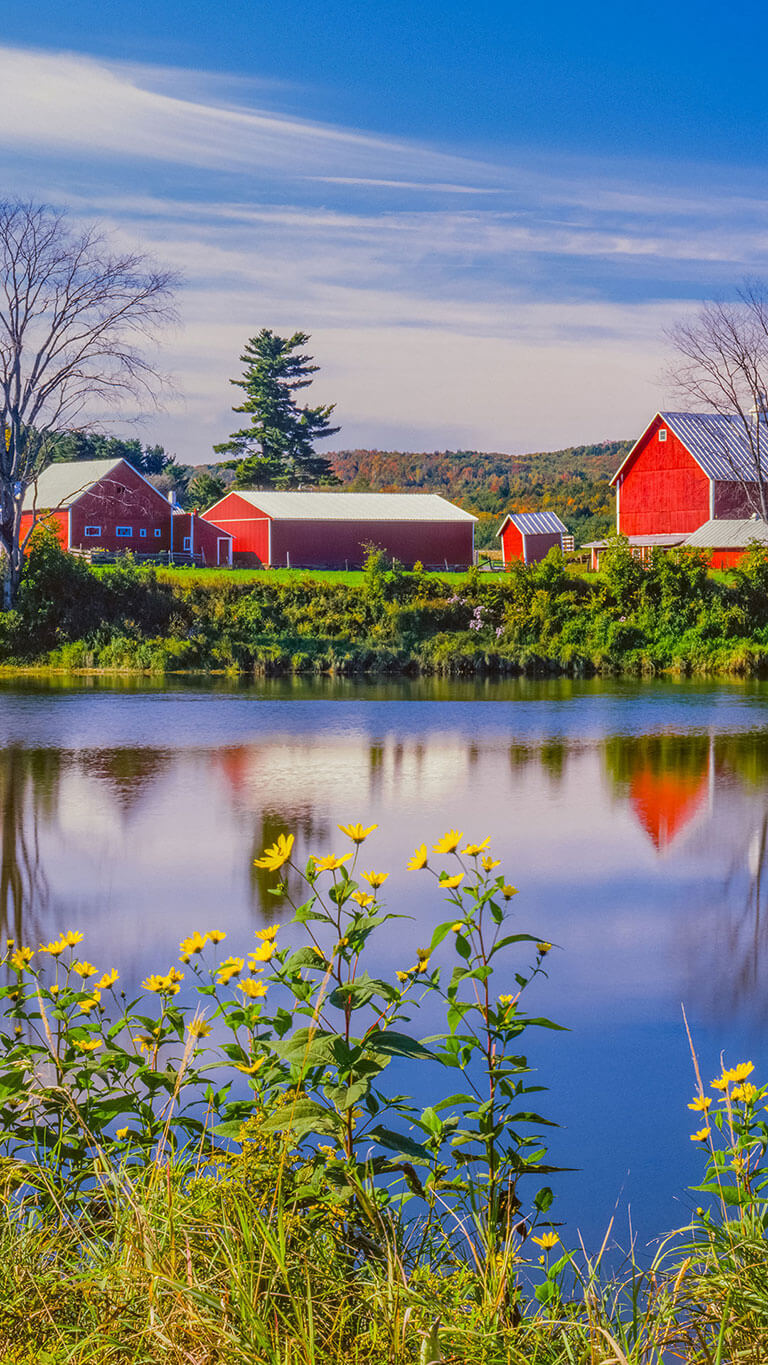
[[573, 482]]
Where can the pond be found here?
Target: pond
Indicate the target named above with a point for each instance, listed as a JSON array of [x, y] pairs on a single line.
[[633, 818]]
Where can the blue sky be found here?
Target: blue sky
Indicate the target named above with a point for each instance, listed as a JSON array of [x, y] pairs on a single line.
[[486, 215]]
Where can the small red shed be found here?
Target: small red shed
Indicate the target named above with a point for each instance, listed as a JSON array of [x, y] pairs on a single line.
[[328, 530], [686, 468], [194, 535], [99, 504], [529, 536]]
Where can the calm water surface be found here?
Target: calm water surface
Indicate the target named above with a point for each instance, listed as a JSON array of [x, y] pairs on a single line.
[[634, 820]]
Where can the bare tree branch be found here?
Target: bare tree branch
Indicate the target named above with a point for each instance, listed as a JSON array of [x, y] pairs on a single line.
[[723, 368], [75, 323]]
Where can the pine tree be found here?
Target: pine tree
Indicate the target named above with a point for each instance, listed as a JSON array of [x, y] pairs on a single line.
[[277, 449]]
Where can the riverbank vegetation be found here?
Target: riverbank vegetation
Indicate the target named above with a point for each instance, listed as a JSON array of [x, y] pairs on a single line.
[[223, 1165], [547, 619]]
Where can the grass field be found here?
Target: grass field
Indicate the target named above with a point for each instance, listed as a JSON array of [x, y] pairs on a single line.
[[352, 577]]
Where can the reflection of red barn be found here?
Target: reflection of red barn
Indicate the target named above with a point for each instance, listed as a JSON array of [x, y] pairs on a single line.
[[666, 802], [331, 530], [529, 536]]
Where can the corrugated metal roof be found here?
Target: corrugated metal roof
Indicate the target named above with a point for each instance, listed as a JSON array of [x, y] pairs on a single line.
[[717, 441], [535, 524], [723, 534], [352, 506], [660, 538], [61, 484]]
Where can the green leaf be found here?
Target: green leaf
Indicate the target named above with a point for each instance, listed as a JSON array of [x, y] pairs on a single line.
[[303, 1117], [399, 1142], [397, 1044]]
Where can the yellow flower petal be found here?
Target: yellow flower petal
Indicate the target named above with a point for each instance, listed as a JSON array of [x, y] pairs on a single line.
[[375, 879], [549, 1239], [277, 854], [472, 850], [450, 883], [330, 863], [268, 934], [701, 1136], [419, 859], [356, 832], [449, 842], [253, 989]]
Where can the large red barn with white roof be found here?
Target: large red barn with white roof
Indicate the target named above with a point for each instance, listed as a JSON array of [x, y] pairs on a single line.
[[329, 530]]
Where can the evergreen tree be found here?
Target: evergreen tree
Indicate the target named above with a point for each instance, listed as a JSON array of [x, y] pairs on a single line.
[[205, 489], [277, 449]]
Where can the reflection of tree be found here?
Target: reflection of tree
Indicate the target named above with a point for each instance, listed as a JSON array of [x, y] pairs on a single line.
[[29, 787], [309, 831], [125, 772]]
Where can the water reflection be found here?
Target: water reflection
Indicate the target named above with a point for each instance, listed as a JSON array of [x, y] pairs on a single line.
[[29, 787]]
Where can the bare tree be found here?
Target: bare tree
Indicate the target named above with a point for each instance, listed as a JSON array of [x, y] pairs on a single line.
[[723, 367], [76, 321]]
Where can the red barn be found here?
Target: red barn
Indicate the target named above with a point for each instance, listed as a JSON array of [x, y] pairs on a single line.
[[194, 535], [99, 504], [686, 468], [328, 530], [529, 536], [728, 540]]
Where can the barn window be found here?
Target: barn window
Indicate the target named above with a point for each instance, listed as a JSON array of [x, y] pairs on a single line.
[[158, 532], [92, 531], [662, 433], [123, 530], [142, 532], [187, 543]]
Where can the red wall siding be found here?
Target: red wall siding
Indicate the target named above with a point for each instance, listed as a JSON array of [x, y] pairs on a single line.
[[246, 524], [334, 544], [123, 498], [57, 521], [538, 547], [732, 500], [204, 536], [726, 559], [663, 490], [512, 543]]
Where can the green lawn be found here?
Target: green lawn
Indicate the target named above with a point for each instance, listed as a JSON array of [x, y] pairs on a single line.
[[354, 577]]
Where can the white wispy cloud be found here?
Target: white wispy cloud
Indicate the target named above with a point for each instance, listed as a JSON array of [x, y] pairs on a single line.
[[452, 300]]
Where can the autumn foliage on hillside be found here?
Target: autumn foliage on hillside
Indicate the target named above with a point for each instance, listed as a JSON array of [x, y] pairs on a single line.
[[573, 482]]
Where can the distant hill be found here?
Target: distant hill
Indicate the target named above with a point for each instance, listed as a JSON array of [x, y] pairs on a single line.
[[572, 482]]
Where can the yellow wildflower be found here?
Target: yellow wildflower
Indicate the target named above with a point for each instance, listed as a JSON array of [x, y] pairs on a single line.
[[108, 979], [423, 965], [472, 850], [701, 1103], [146, 1044], [543, 948], [87, 1005], [549, 1239], [419, 859], [506, 999], [356, 832], [231, 966], [449, 842], [162, 984], [264, 953], [403, 976], [269, 934], [253, 1068], [329, 863], [56, 947], [84, 969], [279, 853], [194, 944], [508, 892], [215, 936], [199, 1028], [375, 879], [21, 958], [55, 988], [458, 926], [741, 1071], [72, 938], [90, 1045], [121, 1132], [362, 897], [745, 1093], [450, 883], [253, 989], [701, 1136], [489, 864], [722, 1082]]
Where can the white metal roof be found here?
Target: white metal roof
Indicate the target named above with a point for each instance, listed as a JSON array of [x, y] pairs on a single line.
[[535, 524], [724, 534], [350, 506], [62, 484], [717, 441]]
